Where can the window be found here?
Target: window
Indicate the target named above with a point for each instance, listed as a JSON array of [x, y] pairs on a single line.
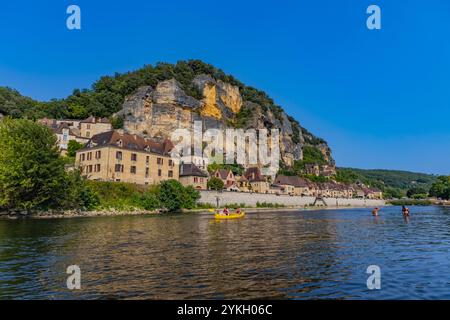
[[89, 156], [147, 159], [159, 172], [118, 168], [201, 180], [133, 169], [159, 161], [147, 171], [97, 167], [88, 126], [133, 157], [88, 134], [82, 157], [170, 174], [195, 179], [119, 155], [98, 154], [170, 163], [90, 168]]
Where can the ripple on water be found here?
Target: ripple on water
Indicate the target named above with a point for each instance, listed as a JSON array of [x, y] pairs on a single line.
[[290, 255]]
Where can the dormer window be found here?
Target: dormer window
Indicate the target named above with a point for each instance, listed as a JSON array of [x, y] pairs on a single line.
[[120, 143]]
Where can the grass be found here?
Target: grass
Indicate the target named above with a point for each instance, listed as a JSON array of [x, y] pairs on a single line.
[[410, 202]]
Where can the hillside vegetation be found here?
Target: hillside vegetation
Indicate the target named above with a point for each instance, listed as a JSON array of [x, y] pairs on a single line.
[[394, 182]]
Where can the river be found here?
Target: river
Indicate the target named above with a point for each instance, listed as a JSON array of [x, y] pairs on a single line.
[[321, 254]]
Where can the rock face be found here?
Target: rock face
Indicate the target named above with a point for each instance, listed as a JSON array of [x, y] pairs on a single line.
[[157, 112]]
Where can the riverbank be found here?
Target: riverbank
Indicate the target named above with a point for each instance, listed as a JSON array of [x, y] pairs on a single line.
[[55, 214]]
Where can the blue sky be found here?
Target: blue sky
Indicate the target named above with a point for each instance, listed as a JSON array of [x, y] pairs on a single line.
[[381, 98]]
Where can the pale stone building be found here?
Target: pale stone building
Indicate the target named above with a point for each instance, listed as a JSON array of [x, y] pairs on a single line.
[[92, 126], [258, 183], [118, 156], [191, 175]]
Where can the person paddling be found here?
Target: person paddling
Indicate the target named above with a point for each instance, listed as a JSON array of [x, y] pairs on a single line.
[[225, 211], [375, 211]]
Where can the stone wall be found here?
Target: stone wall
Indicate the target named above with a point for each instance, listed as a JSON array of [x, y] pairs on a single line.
[[250, 199]]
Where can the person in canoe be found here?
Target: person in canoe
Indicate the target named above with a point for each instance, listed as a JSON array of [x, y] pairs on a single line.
[[238, 211], [225, 211]]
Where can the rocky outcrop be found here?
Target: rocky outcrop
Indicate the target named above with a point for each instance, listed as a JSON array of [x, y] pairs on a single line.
[[157, 112]]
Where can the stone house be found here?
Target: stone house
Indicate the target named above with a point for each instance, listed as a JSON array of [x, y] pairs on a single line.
[[92, 126], [191, 175], [258, 183], [118, 156], [227, 177]]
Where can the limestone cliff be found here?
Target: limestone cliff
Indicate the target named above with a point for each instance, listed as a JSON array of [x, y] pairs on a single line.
[[158, 111]]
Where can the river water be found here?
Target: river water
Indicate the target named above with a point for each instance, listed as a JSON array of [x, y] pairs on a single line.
[[320, 254]]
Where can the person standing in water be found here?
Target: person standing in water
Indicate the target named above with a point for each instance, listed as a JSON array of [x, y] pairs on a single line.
[[405, 211], [375, 212]]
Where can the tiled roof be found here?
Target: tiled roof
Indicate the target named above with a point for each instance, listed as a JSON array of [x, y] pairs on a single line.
[[254, 175], [292, 181], [191, 169], [223, 173], [93, 119], [130, 142]]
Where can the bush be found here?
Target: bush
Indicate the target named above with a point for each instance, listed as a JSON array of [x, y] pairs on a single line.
[[410, 202], [150, 201], [416, 192], [215, 184], [173, 196], [269, 205]]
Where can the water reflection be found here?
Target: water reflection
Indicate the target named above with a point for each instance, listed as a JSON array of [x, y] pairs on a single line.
[[308, 254]]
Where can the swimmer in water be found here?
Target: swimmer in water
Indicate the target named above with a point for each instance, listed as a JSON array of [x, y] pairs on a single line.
[[405, 211], [375, 211]]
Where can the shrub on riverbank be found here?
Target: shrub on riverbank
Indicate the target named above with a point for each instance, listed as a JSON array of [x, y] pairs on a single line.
[[170, 195], [269, 205], [411, 202]]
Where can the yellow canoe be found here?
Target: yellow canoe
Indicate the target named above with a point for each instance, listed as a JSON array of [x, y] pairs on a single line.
[[230, 216]]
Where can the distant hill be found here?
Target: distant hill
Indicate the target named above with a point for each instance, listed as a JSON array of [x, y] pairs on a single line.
[[387, 179]]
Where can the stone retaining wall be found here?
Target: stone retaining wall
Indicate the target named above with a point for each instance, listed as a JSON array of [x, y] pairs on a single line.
[[250, 199]]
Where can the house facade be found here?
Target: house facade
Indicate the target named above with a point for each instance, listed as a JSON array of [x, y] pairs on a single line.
[[92, 126], [191, 175], [118, 156]]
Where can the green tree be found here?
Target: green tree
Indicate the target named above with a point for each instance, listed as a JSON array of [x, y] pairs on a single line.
[[31, 170], [415, 192], [72, 147], [117, 122], [441, 188], [393, 193], [79, 194], [215, 184], [173, 196]]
